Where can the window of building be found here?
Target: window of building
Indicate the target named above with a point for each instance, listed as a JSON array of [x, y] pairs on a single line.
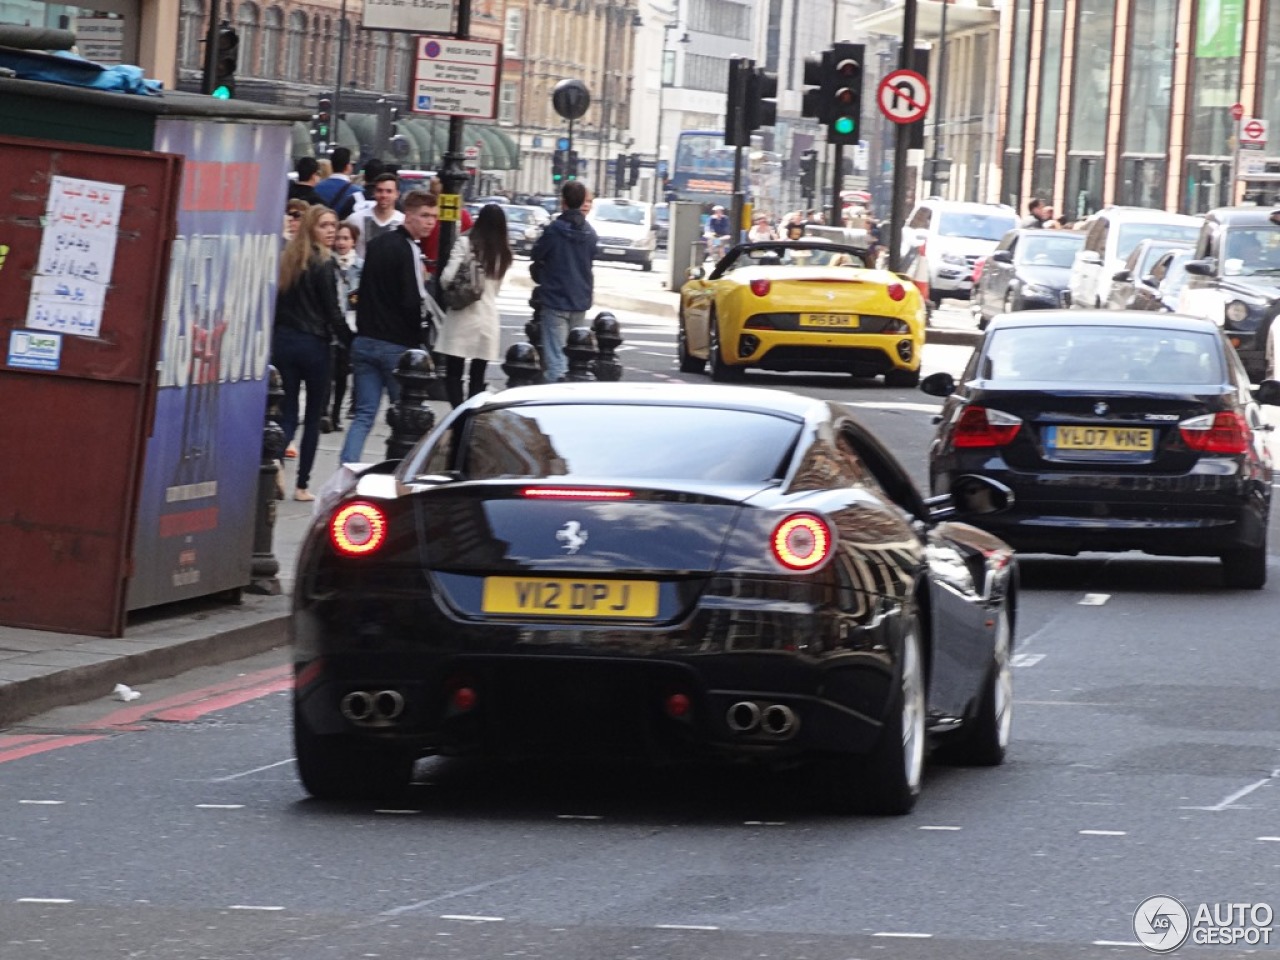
[[1018, 75], [1269, 94], [706, 73], [247, 27], [1091, 86], [1050, 77], [508, 102], [1150, 76], [272, 33], [722, 18], [1215, 77], [513, 39], [293, 55], [190, 25]]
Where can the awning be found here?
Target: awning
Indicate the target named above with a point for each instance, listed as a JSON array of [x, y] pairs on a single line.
[[497, 150], [961, 15]]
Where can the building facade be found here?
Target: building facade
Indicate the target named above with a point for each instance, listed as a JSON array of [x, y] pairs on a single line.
[[1131, 101]]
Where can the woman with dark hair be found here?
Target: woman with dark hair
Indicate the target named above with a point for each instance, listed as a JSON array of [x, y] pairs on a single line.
[[308, 319], [473, 332]]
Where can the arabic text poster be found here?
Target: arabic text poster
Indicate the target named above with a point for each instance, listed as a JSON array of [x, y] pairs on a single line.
[[77, 251]]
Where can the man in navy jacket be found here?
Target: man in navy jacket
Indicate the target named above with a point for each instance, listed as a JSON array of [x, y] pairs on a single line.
[[561, 267]]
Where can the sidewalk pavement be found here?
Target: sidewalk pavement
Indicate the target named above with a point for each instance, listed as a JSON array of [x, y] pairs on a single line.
[[40, 670]]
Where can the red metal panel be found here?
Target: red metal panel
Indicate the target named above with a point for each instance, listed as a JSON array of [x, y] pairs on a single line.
[[74, 436]]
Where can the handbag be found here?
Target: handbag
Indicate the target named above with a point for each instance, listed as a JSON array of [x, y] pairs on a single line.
[[467, 285]]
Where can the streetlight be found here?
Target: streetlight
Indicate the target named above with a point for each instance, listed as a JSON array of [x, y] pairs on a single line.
[[662, 86]]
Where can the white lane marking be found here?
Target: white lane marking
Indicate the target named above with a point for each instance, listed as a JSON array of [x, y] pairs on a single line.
[[44, 803], [683, 926], [470, 917], [1270, 839], [219, 806], [1026, 659], [939, 828], [1094, 599], [253, 906], [44, 900], [648, 343], [1116, 943], [889, 405], [451, 894], [764, 823], [398, 813], [1238, 795], [911, 936], [578, 816], [249, 773], [1103, 833]]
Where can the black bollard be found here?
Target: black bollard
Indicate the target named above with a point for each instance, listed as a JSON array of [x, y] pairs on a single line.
[[409, 417], [264, 569], [533, 329], [581, 351], [608, 334], [522, 366]]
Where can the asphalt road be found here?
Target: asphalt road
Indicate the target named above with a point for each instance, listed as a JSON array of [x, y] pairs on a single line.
[[1144, 763]]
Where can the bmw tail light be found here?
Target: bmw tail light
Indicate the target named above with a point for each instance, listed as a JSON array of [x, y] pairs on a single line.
[[1224, 432], [761, 287], [981, 427], [896, 291], [801, 542], [978, 268], [358, 529]]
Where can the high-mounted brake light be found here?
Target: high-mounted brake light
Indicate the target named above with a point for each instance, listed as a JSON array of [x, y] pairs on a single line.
[[801, 541], [358, 529], [980, 427], [761, 287], [575, 493], [1222, 432]]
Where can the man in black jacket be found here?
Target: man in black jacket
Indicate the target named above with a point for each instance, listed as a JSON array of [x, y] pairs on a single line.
[[389, 315], [562, 269]]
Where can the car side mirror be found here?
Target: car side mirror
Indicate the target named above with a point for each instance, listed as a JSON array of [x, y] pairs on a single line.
[[1150, 280], [1122, 276], [940, 384], [978, 496], [1091, 257], [1002, 256], [1200, 268], [1268, 393]]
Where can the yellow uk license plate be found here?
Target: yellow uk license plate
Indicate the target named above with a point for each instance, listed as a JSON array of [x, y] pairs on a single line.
[[1110, 439], [847, 321], [530, 596]]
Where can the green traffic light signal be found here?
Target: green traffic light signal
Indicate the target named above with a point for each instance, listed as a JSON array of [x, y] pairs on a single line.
[[222, 93], [843, 126]]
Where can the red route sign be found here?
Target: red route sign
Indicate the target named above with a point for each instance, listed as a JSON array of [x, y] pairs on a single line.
[[1254, 130], [1237, 111]]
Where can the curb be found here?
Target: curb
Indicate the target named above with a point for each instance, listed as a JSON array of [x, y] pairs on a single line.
[[942, 335], [24, 698], [612, 300]]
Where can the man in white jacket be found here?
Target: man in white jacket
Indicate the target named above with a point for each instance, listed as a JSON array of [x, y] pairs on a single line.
[[382, 217]]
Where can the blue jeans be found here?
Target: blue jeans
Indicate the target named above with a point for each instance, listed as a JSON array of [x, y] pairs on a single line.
[[556, 325], [302, 359], [373, 363]]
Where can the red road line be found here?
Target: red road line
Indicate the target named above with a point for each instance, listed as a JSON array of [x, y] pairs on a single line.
[[193, 711], [144, 710], [55, 742]]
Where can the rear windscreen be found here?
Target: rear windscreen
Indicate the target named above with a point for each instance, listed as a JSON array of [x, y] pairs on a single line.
[[605, 442], [1110, 355]]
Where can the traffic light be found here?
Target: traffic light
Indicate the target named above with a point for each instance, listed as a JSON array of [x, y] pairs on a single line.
[[844, 124], [809, 172], [620, 173], [559, 161], [396, 141], [226, 53], [633, 175], [323, 121], [815, 102], [761, 107], [736, 131], [571, 167]]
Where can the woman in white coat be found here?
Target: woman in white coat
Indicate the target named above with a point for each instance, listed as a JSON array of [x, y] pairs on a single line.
[[473, 332]]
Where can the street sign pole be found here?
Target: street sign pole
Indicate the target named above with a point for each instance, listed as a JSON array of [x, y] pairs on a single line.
[[453, 173], [901, 143]]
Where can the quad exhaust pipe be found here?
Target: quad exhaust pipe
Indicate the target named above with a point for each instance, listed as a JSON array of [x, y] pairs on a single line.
[[370, 707], [774, 720]]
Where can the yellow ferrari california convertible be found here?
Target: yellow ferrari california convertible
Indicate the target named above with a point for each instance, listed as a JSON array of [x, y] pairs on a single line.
[[800, 305]]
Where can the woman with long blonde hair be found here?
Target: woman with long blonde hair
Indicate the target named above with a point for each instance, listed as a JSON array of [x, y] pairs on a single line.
[[308, 319]]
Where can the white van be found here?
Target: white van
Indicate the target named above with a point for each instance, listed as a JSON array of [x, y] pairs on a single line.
[[625, 230], [1110, 236]]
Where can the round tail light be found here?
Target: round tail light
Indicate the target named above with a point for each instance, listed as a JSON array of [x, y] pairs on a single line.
[[896, 291], [358, 529], [761, 287], [801, 541]]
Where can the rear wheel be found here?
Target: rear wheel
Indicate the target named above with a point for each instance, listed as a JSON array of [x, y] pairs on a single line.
[[720, 371], [646, 266], [339, 768], [688, 362], [1010, 303], [1245, 569]]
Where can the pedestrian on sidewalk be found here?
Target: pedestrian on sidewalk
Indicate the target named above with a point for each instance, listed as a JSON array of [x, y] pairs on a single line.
[[307, 320], [350, 264], [381, 216], [474, 332], [390, 315], [562, 267]]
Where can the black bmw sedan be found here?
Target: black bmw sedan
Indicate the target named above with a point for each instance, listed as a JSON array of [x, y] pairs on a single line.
[[1115, 431], [695, 573]]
